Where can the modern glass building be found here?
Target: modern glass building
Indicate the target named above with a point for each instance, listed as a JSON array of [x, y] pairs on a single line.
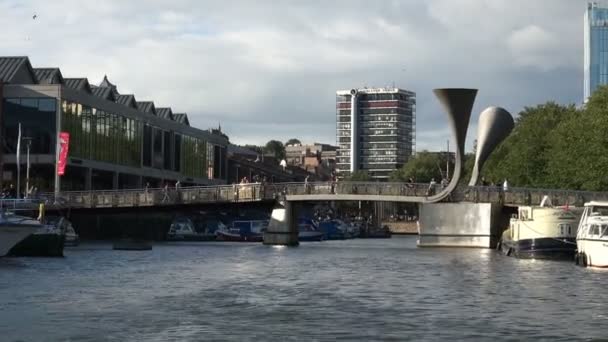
[[596, 48], [375, 130], [116, 141]]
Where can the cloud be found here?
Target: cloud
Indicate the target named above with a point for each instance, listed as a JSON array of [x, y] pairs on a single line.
[[535, 47], [269, 69]]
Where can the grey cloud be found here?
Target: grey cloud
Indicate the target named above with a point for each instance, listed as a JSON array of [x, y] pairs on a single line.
[[269, 69]]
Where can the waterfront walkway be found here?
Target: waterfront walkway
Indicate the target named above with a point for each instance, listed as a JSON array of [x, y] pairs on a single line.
[[318, 191]]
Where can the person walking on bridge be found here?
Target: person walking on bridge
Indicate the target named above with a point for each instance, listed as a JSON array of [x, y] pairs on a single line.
[[431, 189], [165, 193]]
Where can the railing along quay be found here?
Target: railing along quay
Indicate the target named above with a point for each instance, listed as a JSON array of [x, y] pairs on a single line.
[[272, 191]]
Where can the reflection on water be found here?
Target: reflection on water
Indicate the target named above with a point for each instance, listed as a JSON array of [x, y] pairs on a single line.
[[349, 290]]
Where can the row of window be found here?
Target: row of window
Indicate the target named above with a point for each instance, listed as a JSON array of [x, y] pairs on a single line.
[[113, 138], [99, 135]]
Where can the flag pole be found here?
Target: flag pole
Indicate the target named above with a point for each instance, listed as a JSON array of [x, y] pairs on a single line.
[[18, 157]]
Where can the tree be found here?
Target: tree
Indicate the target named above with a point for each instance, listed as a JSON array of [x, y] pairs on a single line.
[[523, 157], [255, 148], [578, 147], [358, 176], [422, 168], [276, 148], [293, 141]]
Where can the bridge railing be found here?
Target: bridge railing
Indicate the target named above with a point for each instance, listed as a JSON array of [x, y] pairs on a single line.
[[359, 188], [530, 196], [267, 191], [160, 196]]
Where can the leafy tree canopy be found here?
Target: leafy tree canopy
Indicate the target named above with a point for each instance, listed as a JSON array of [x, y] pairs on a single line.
[[422, 168], [556, 146], [293, 141], [275, 148]]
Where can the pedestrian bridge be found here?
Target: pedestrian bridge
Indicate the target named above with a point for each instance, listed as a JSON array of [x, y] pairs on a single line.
[[317, 191]]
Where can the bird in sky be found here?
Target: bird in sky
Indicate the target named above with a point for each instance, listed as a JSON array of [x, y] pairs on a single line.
[[35, 16]]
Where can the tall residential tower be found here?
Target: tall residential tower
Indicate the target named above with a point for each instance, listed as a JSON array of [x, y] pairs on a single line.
[[596, 48], [375, 130]]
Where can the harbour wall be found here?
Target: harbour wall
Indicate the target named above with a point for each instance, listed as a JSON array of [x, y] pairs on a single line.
[[462, 224]]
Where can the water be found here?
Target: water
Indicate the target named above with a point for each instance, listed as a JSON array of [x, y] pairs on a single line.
[[333, 290]]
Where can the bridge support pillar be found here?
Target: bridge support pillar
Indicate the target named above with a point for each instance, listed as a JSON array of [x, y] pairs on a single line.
[[461, 224], [282, 229]]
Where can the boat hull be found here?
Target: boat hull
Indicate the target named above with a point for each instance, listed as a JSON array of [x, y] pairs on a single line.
[[71, 241], [540, 248], [225, 236], [593, 253], [11, 235], [310, 236], [40, 245]]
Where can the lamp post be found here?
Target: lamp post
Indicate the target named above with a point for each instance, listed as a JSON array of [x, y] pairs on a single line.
[[28, 144]]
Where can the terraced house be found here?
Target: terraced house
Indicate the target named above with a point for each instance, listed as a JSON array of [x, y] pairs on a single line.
[[116, 140]]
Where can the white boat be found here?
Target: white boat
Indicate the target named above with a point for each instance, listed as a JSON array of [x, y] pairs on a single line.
[[182, 229], [592, 236], [542, 232], [14, 229], [244, 231]]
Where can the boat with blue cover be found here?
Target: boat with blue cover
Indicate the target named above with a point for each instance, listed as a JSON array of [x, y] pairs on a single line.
[[308, 230], [243, 231]]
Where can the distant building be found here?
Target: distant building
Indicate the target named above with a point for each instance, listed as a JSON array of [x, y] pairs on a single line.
[[247, 163], [319, 159], [115, 140], [596, 48], [375, 130]]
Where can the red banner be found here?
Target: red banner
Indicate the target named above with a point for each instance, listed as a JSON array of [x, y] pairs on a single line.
[[64, 143]]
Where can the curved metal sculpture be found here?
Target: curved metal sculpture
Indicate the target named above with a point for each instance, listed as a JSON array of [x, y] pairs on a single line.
[[495, 124], [458, 103]]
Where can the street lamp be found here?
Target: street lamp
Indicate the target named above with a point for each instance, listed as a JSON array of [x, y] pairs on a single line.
[[28, 143]]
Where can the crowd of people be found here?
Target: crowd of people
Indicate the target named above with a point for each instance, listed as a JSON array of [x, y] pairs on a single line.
[[11, 192]]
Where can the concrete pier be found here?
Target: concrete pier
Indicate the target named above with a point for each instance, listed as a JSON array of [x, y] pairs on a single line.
[[461, 224], [282, 229]]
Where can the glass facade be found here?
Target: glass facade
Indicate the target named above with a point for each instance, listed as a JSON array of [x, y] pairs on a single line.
[[38, 121], [113, 138], [596, 48], [194, 157], [385, 126], [102, 136]]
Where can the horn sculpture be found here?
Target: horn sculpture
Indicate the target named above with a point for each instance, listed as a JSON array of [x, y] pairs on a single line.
[[495, 124], [458, 103]]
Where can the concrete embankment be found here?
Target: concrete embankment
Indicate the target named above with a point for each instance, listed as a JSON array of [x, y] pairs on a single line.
[[403, 227]]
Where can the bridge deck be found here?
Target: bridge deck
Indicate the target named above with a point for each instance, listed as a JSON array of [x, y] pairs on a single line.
[[319, 191]]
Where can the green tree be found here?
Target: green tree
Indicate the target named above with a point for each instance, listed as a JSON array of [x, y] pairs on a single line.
[[523, 157], [358, 176], [578, 147], [276, 148], [255, 148], [422, 168], [293, 141]]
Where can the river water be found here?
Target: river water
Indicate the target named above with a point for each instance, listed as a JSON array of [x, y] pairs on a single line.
[[332, 290]]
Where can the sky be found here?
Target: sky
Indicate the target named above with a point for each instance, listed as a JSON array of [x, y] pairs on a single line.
[[269, 69]]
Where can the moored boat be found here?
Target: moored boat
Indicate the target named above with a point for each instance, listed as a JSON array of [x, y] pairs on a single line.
[[47, 241], [307, 231], [541, 232], [71, 237], [332, 230], [592, 236], [182, 229], [243, 231], [14, 229], [370, 232]]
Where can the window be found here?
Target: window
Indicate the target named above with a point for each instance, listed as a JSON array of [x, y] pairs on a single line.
[[37, 117]]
